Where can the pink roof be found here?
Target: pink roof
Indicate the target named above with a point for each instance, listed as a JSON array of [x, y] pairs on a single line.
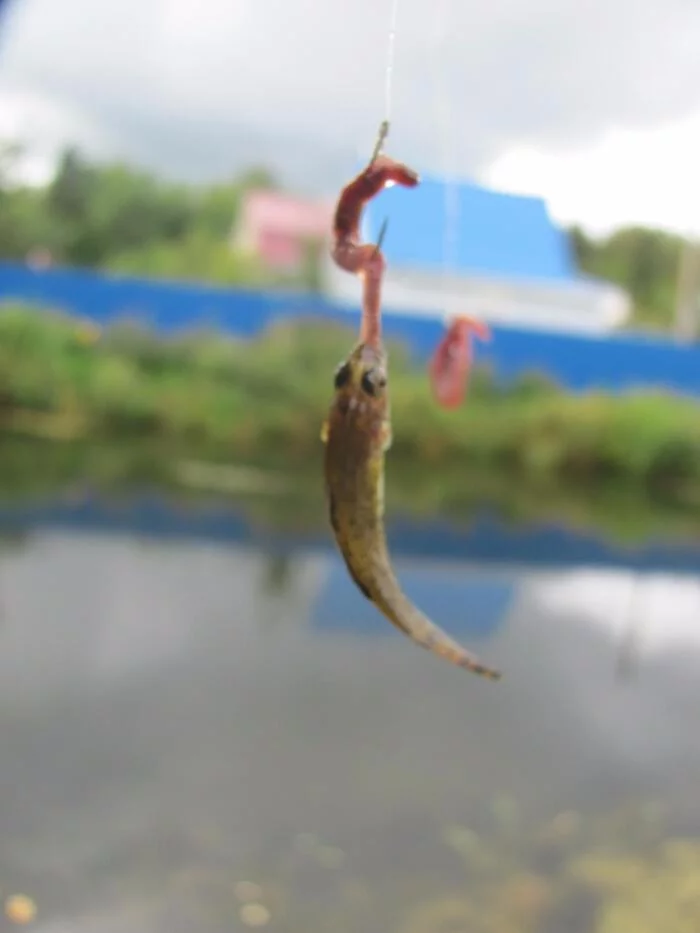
[[280, 250], [272, 211]]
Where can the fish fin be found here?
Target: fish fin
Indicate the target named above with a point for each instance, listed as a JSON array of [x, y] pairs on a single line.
[[324, 432], [387, 436], [380, 494]]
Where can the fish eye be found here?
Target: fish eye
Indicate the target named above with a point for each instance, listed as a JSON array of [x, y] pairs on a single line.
[[371, 381], [342, 374]]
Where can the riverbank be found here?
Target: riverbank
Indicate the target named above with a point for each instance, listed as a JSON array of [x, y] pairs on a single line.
[[34, 471], [262, 401]]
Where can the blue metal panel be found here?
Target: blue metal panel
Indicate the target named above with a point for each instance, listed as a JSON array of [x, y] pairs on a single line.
[[504, 235], [615, 363]]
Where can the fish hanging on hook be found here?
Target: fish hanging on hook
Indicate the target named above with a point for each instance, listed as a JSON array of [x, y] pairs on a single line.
[[357, 431]]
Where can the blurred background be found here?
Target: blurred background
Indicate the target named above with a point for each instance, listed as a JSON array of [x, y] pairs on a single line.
[[204, 726]]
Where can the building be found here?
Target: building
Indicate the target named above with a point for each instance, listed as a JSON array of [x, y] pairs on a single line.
[[460, 247], [279, 228]]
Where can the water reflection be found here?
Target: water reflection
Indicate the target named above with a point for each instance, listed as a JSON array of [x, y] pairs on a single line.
[[180, 716]]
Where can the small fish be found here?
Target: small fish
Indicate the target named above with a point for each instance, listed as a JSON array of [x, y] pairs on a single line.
[[357, 434], [452, 361]]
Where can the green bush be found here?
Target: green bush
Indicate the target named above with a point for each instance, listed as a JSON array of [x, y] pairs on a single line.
[[268, 396]]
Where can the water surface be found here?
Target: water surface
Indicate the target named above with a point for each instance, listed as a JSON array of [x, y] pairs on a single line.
[[182, 714]]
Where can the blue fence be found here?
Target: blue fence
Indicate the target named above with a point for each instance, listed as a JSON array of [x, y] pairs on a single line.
[[615, 364]]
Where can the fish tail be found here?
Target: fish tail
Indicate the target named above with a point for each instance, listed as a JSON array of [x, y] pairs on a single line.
[[412, 622]]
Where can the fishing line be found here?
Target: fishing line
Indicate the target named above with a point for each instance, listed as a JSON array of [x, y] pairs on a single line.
[[445, 123], [388, 88], [391, 48], [388, 81]]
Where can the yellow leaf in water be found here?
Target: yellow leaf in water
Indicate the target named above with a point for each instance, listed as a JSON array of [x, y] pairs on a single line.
[[254, 915], [20, 909]]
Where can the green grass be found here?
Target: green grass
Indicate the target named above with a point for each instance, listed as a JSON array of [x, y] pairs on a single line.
[[264, 400]]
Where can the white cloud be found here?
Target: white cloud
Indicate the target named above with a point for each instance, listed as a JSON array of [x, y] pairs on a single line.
[[661, 609], [27, 115], [196, 87], [644, 176]]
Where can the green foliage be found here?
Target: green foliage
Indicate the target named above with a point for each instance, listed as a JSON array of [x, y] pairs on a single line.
[[118, 217], [110, 209], [197, 256], [644, 262], [267, 397]]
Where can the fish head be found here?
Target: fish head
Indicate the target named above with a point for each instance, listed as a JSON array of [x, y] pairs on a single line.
[[361, 389]]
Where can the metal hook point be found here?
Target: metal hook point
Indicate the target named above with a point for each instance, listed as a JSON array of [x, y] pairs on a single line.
[[382, 234]]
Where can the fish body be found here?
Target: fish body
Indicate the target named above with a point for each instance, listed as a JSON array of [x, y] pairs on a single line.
[[451, 362], [357, 434]]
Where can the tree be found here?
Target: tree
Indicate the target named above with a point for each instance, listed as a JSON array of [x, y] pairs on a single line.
[[642, 261]]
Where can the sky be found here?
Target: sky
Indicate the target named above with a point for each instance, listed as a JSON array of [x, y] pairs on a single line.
[[594, 106]]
